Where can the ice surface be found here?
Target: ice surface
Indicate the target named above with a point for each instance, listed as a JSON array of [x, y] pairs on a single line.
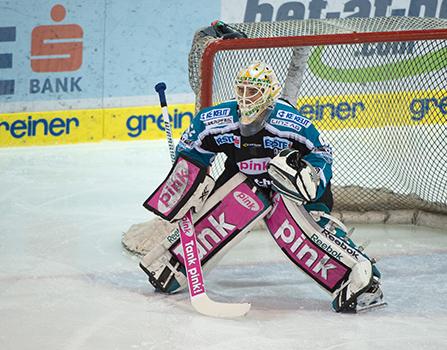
[[67, 283]]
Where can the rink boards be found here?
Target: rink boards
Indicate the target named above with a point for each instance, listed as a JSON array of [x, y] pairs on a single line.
[[146, 122]]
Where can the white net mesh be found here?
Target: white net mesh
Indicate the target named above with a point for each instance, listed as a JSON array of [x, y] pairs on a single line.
[[382, 105]]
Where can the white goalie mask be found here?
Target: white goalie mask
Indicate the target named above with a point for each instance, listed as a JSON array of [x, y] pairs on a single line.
[[257, 88]]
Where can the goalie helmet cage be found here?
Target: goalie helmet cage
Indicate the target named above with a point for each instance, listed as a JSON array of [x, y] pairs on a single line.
[[374, 87]]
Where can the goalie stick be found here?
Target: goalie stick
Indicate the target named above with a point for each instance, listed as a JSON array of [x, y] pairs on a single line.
[[196, 283]]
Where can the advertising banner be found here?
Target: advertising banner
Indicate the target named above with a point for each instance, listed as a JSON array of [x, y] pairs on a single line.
[[371, 67], [55, 52], [237, 11], [79, 54], [364, 111], [90, 125], [82, 71]]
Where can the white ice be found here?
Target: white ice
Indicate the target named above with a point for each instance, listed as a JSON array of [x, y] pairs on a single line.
[[67, 283]]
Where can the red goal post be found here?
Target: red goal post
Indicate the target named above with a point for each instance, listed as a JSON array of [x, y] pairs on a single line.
[[401, 108], [209, 53]]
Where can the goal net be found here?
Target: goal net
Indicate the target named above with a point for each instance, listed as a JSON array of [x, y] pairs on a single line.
[[374, 87]]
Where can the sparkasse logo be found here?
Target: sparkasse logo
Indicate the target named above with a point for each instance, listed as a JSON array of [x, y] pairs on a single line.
[[56, 48]]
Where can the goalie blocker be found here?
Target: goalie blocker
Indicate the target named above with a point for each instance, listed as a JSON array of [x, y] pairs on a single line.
[[187, 186]]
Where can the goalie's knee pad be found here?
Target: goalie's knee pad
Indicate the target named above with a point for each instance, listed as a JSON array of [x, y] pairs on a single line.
[[323, 252], [225, 219]]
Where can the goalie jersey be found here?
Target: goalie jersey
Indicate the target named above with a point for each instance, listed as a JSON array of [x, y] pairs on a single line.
[[216, 129]]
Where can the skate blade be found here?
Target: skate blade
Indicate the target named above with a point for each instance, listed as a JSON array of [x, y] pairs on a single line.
[[372, 307]]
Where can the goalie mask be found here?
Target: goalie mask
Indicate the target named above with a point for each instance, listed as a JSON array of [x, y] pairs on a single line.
[[257, 88]]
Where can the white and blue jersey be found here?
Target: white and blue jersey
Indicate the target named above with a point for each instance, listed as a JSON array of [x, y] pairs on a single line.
[[217, 129]]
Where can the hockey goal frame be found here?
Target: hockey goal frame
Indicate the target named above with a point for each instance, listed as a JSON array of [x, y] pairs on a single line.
[[307, 40], [139, 238], [211, 47]]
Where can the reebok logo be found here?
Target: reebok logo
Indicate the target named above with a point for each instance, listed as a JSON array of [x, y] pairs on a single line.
[[174, 236], [351, 251], [327, 248]]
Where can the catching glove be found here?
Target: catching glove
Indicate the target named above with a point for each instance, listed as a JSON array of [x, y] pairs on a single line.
[[294, 177]]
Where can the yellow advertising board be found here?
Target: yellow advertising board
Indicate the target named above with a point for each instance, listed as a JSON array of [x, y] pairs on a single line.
[[55, 127], [146, 122], [375, 110], [75, 126]]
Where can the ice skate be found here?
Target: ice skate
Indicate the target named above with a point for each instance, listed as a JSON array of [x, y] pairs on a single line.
[[371, 297]]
